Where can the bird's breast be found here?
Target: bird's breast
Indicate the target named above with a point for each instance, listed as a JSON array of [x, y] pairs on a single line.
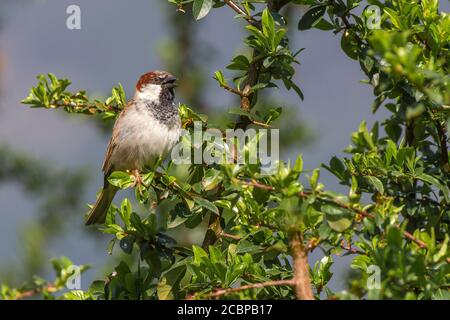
[[143, 138]]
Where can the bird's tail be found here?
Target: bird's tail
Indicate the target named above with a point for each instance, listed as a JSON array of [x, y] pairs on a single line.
[[100, 209]]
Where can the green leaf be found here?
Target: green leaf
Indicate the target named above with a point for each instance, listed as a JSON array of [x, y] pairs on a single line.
[[241, 112], [211, 179], [239, 62], [311, 17], [77, 295], [218, 75], [393, 17], [314, 178], [125, 211], [339, 219], [201, 8], [272, 115], [349, 44], [324, 25], [135, 222], [268, 27], [435, 182], [121, 179], [206, 204], [298, 166], [376, 183], [199, 254], [169, 283]]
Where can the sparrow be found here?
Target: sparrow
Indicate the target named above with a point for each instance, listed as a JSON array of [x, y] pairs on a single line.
[[146, 130]]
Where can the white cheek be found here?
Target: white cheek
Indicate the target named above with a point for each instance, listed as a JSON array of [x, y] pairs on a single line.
[[149, 92]]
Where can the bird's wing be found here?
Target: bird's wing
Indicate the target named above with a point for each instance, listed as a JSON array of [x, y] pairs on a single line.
[[107, 165], [107, 162]]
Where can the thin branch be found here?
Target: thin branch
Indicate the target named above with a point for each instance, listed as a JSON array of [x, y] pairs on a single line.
[[230, 236], [261, 124], [232, 90], [413, 239], [350, 249], [312, 244], [50, 287], [241, 12], [343, 17], [302, 281], [365, 214], [222, 292]]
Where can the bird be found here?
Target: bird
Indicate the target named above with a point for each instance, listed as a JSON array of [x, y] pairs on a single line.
[[146, 130]]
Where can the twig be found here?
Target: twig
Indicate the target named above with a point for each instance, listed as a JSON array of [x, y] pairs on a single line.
[[261, 124], [302, 281], [50, 287], [365, 214], [230, 236], [413, 239], [241, 12], [232, 90], [221, 292], [349, 249], [312, 244]]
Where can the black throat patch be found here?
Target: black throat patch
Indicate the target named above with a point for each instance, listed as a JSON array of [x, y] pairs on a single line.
[[165, 111]]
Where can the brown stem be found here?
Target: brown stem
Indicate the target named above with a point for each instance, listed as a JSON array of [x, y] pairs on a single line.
[[365, 214], [50, 287], [350, 249], [240, 11], [302, 281], [261, 124], [232, 90], [230, 236], [222, 292]]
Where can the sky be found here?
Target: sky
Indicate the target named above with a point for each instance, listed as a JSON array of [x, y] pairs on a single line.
[[118, 42]]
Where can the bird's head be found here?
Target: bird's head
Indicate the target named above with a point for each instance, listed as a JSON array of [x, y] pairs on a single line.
[[154, 83]]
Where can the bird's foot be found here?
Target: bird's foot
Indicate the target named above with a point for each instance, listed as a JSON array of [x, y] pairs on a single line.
[[138, 179]]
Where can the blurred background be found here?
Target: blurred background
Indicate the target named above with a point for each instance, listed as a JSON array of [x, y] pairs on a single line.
[[50, 162]]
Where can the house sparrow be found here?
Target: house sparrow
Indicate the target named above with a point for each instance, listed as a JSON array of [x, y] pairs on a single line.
[[146, 129]]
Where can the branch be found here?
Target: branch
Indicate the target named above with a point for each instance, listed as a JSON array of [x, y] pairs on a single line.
[[365, 214], [261, 124], [350, 249], [302, 281], [413, 239], [222, 292], [50, 287], [230, 236], [343, 17], [241, 12]]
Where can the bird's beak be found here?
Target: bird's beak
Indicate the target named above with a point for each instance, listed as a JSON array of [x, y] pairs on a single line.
[[170, 82]]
